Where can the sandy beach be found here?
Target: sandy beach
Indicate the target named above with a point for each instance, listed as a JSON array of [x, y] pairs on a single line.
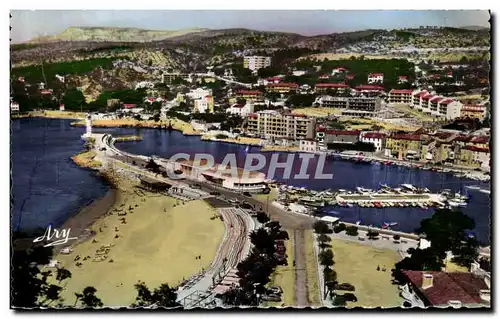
[[149, 237]]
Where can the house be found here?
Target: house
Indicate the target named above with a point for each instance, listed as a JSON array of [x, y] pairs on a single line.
[[282, 87], [339, 136], [369, 90], [324, 76], [60, 78], [449, 74], [271, 80], [242, 110], [46, 92], [402, 144], [20, 79], [350, 76], [298, 73], [402, 79], [129, 106], [339, 71], [61, 107], [375, 78], [445, 289], [375, 138], [473, 111], [151, 100], [308, 145]]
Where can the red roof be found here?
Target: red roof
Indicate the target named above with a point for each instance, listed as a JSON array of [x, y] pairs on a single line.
[[370, 87], [375, 74], [332, 85], [253, 115], [447, 286], [427, 97], [349, 76], [446, 102], [462, 138], [129, 106], [443, 135], [49, 91], [274, 78], [419, 94], [409, 137], [480, 139], [403, 77], [290, 85], [341, 132], [436, 99], [477, 149], [341, 69], [436, 76], [151, 99], [324, 76], [373, 135], [395, 91], [249, 92]]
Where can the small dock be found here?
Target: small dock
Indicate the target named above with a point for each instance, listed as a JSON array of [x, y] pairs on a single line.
[[128, 138], [390, 198]]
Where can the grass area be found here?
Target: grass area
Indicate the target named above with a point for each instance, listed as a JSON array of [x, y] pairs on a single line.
[[311, 270], [318, 111], [453, 267], [408, 110], [284, 277], [158, 244], [65, 114], [86, 159], [271, 196], [356, 264]]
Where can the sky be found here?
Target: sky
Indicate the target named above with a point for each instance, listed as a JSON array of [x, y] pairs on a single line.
[[30, 24]]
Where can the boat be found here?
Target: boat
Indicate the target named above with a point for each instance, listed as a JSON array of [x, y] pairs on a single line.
[[421, 205], [388, 225], [349, 205], [456, 203], [409, 187], [473, 187]]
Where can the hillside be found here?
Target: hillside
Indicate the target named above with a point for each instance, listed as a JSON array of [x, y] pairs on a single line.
[[113, 34]]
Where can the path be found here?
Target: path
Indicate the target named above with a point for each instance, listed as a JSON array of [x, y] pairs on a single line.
[[301, 296]]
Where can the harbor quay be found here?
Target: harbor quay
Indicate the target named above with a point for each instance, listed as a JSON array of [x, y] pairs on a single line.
[[390, 198]]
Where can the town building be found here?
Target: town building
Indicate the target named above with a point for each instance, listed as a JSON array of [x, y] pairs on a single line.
[[204, 105], [404, 145], [375, 78], [250, 95], [400, 96], [338, 136], [282, 87], [242, 110], [168, 77], [375, 138], [298, 73], [446, 289], [371, 105], [369, 90], [339, 71], [308, 145], [256, 62], [324, 87], [14, 106], [273, 124], [199, 93]]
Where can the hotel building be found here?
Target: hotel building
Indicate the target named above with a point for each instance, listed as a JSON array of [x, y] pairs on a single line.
[[272, 124], [256, 62]]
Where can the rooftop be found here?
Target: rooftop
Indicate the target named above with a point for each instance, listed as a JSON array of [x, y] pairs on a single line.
[[408, 137], [295, 85], [373, 135], [449, 286], [370, 87], [341, 132], [332, 85], [395, 91]]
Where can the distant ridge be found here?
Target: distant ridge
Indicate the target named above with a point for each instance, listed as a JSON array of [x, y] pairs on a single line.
[[114, 34], [475, 28]]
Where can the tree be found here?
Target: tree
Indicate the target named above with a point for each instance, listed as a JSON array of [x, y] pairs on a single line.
[[466, 252], [372, 235], [321, 227], [396, 237], [73, 100], [30, 287], [62, 274], [163, 296], [326, 258], [323, 241], [262, 217], [88, 298], [351, 231]]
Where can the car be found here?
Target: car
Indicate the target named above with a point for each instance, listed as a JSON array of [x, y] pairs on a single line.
[[102, 149], [247, 194]]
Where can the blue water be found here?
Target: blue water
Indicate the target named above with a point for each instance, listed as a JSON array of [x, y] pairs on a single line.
[[54, 188]]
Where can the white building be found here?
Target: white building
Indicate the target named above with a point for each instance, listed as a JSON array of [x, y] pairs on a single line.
[[60, 78], [298, 73], [375, 138], [14, 107], [144, 85], [339, 71], [308, 146], [199, 93], [203, 105], [240, 109], [375, 78], [256, 62]]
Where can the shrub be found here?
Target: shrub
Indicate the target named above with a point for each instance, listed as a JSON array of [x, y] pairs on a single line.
[[345, 286], [320, 227], [372, 234], [396, 237], [350, 297], [351, 231]]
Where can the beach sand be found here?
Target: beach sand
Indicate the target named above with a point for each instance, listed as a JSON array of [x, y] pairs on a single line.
[[158, 244]]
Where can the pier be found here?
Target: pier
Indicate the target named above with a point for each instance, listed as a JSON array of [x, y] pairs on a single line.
[[390, 198]]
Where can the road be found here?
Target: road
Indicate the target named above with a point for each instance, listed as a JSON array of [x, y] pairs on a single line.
[[292, 222]]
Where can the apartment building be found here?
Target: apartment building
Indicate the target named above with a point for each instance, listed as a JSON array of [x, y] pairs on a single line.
[[375, 78], [256, 62], [282, 87], [369, 90], [251, 96], [473, 156], [436, 105], [400, 96], [307, 145], [402, 79], [204, 105], [473, 111], [242, 110], [273, 124], [324, 87], [199, 93], [168, 78]]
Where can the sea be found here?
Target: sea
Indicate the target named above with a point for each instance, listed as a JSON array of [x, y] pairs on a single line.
[[48, 188]]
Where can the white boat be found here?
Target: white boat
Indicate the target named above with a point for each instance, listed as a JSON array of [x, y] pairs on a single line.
[[456, 203], [473, 187], [342, 191], [486, 191], [409, 187], [349, 205]]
